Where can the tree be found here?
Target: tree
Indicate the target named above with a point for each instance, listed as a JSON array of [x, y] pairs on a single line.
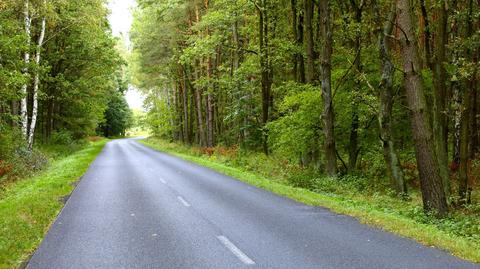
[[326, 65], [429, 171], [36, 81], [386, 93], [118, 116], [23, 106]]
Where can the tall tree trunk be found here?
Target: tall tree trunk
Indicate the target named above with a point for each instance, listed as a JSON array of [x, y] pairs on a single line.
[[36, 82], [310, 66], [473, 120], [326, 79], [301, 61], [178, 111], [210, 100], [170, 108], [457, 122], [200, 124], [199, 95], [265, 68], [210, 107], [293, 5], [183, 74], [439, 100], [433, 194], [392, 161], [192, 112], [357, 65], [463, 187], [463, 147], [26, 58], [426, 34], [240, 95]]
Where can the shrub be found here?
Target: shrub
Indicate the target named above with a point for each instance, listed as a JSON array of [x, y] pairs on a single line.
[[61, 137]]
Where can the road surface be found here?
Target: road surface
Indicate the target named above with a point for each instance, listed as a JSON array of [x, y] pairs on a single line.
[[139, 208]]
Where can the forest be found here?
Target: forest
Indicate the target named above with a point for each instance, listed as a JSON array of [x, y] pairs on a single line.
[[62, 79], [370, 108], [386, 91]]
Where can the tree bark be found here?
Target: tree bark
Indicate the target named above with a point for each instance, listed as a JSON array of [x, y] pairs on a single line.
[[237, 58], [473, 120], [265, 68], [293, 5], [201, 128], [178, 111], [301, 61], [439, 100], [357, 65], [463, 188], [326, 80], [426, 33], [183, 74], [463, 147], [26, 58], [170, 108], [431, 183], [310, 65], [394, 170], [36, 82], [210, 107], [457, 122]]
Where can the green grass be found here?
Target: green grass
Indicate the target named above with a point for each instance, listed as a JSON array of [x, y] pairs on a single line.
[[459, 234], [29, 206]]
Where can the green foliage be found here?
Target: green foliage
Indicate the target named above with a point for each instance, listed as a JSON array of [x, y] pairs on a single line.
[[84, 63], [79, 71], [159, 117], [298, 129], [118, 116], [61, 137], [11, 46]]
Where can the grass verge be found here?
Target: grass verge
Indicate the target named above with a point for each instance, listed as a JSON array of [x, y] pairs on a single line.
[[378, 210], [29, 206]]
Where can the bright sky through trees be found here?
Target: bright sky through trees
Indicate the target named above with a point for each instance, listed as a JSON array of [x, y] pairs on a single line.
[[121, 20]]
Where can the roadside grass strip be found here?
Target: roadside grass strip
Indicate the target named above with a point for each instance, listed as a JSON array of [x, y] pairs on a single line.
[[29, 206]]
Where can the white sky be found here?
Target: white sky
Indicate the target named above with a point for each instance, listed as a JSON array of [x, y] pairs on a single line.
[[121, 20]]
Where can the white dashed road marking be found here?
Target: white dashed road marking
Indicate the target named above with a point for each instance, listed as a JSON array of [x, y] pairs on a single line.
[[236, 251], [185, 203]]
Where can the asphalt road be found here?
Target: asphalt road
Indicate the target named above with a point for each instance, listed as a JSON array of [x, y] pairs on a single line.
[[139, 208]]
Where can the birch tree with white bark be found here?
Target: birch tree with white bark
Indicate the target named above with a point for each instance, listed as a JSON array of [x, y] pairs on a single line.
[[36, 82], [26, 58], [28, 130]]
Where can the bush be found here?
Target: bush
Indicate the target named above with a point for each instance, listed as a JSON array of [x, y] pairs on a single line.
[[304, 179], [9, 141], [15, 159], [61, 137], [21, 163]]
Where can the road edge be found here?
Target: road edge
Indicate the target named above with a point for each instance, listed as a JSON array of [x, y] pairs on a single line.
[[421, 233]]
